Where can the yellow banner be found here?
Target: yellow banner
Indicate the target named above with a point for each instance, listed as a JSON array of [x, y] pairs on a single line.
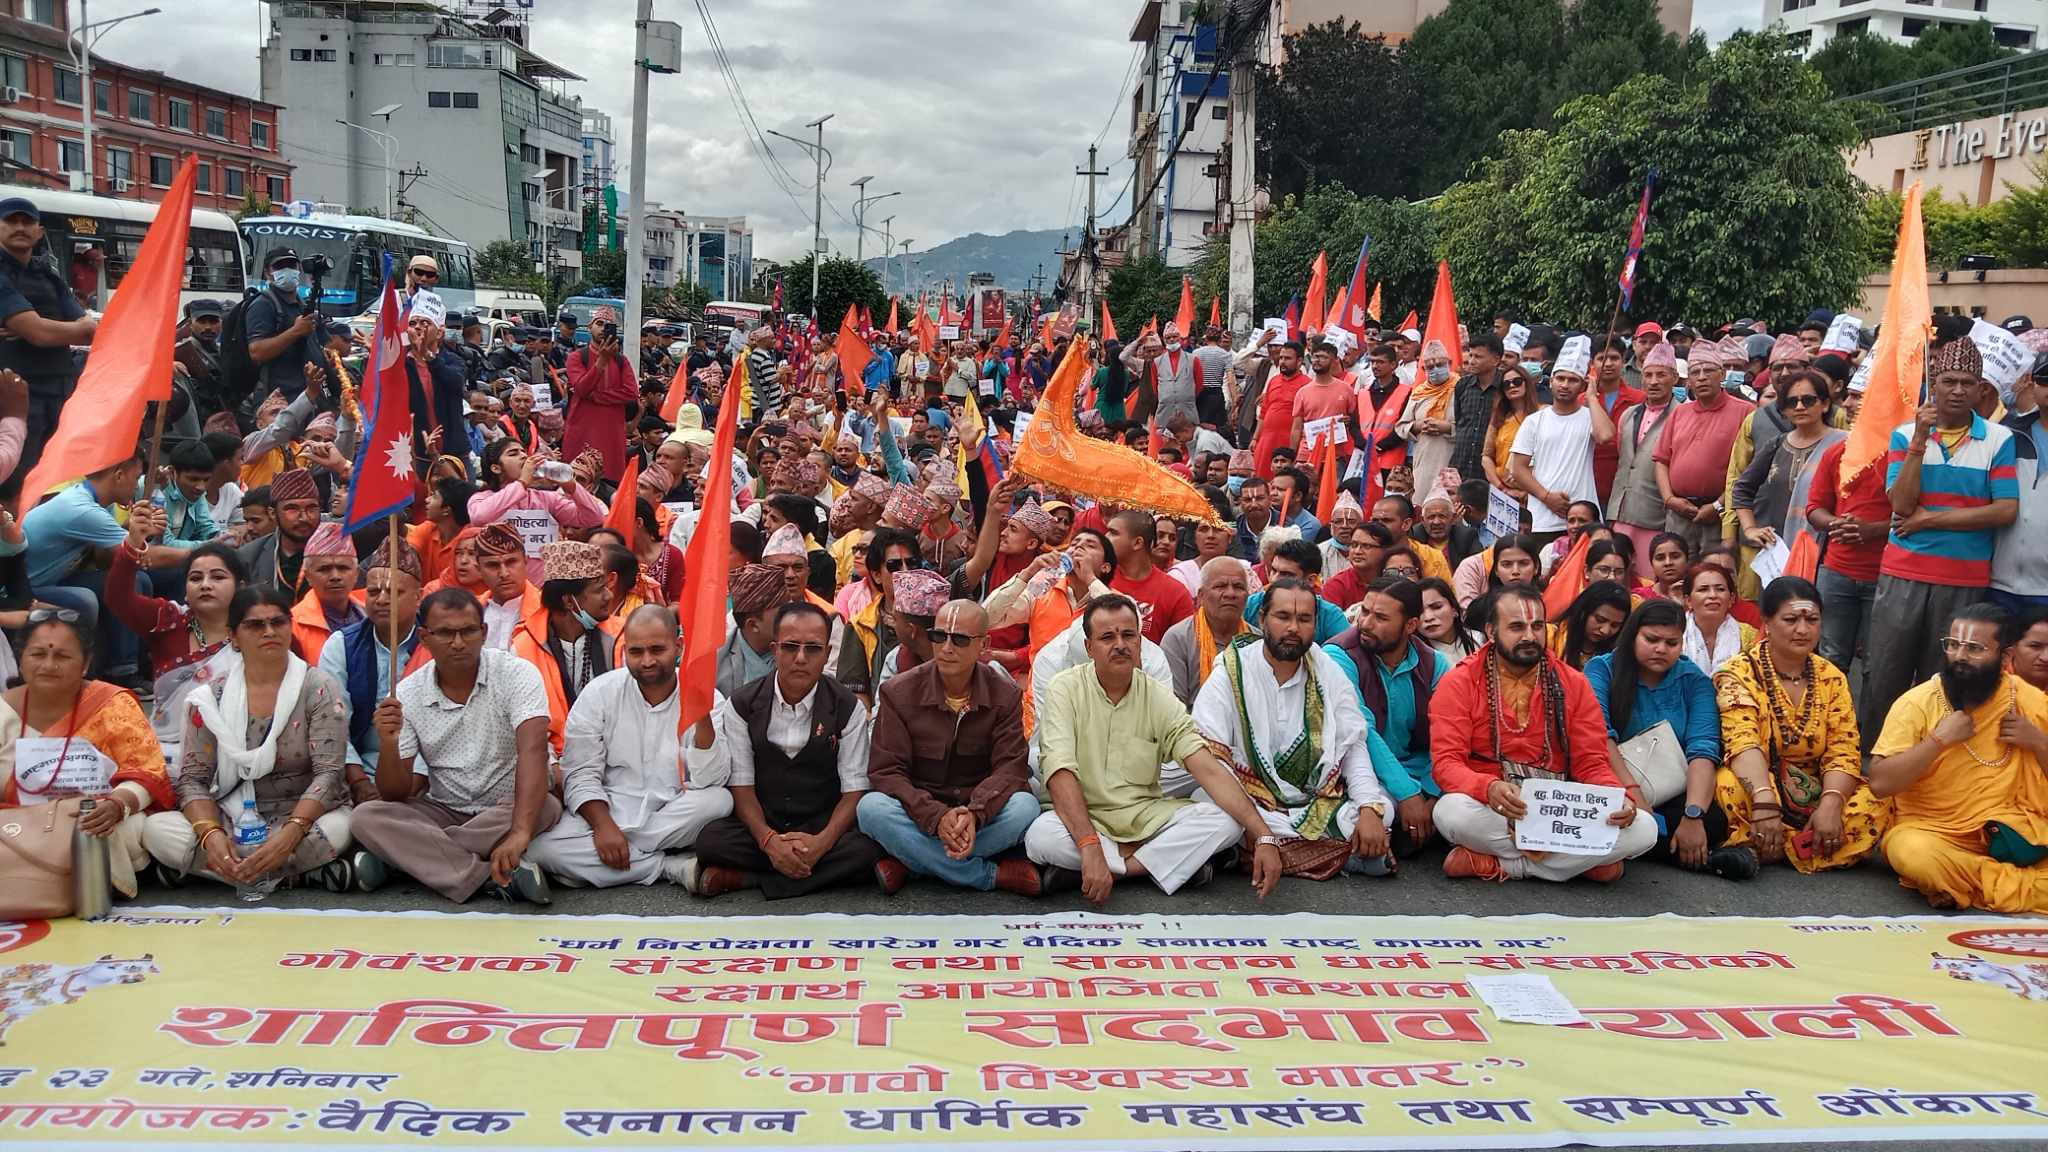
[[174, 1026]]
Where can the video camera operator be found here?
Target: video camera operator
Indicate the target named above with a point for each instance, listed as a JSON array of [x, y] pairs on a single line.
[[285, 331]]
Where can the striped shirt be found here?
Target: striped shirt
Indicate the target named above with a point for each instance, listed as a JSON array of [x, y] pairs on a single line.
[[1983, 468]]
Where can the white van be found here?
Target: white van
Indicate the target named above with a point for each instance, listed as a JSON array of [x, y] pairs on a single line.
[[523, 308]]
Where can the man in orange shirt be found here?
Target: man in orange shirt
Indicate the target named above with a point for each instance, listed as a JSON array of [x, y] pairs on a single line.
[[329, 577]]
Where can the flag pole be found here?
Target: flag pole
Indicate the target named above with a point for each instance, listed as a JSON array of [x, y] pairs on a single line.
[[389, 577], [156, 445]]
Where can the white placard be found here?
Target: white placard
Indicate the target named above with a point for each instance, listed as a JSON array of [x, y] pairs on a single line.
[[1770, 561], [1568, 818], [1020, 426], [949, 331], [1525, 998], [1503, 515], [535, 528], [38, 772], [1314, 431], [1356, 468], [1277, 325], [2005, 358], [1842, 335]]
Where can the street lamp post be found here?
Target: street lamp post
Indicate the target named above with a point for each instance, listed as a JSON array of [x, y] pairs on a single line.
[[388, 144], [860, 207], [887, 248], [818, 158], [80, 51]]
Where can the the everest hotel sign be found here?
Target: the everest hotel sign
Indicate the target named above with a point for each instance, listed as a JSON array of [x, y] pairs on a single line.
[[2014, 134]]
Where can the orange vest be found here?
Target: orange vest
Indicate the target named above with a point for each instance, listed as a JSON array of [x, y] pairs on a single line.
[[530, 643], [309, 625]]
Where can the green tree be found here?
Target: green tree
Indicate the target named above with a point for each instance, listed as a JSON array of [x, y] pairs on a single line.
[[1478, 61], [1946, 47], [1607, 42], [2022, 229], [1341, 88], [1138, 290], [1860, 62], [503, 261], [1483, 229], [1331, 220], [841, 283]]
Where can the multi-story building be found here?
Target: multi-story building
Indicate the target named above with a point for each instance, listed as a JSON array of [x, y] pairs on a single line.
[[1180, 115], [662, 247], [143, 121], [1812, 23], [464, 123], [1398, 19], [718, 253], [597, 150]]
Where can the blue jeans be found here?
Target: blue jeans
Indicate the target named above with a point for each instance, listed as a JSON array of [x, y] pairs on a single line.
[[886, 823], [1844, 617]]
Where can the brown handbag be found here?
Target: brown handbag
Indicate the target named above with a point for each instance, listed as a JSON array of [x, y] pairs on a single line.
[[35, 860]]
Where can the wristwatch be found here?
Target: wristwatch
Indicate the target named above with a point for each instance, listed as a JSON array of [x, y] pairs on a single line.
[[1694, 811]]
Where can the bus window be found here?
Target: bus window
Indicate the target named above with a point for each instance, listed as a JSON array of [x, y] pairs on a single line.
[[456, 272], [213, 264]]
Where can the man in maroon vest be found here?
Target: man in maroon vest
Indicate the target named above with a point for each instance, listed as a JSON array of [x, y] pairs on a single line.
[[799, 746]]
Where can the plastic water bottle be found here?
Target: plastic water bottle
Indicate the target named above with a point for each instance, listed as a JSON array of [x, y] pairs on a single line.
[[1053, 574], [250, 833]]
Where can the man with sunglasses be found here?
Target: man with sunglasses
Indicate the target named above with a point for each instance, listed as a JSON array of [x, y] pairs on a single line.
[[285, 333], [1960, 759], [462, 764], [948, 767], [874, 631], [422, 274], [799, 748]]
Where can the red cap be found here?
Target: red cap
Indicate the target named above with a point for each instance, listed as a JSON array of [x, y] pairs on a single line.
[[1650, 328]]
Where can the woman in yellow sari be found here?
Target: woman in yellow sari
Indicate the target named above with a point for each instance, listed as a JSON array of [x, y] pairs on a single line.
[[55, 713], [1791, 783]]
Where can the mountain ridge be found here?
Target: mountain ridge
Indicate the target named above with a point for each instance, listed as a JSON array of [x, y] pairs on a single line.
[[1013, 258]]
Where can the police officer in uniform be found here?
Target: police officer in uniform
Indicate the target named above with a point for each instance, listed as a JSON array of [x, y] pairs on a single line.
[[43, 321]]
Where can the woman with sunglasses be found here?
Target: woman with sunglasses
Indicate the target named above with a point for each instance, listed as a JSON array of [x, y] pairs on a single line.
[[57, 713], [188, 643], [273, 731], [1770, 495]]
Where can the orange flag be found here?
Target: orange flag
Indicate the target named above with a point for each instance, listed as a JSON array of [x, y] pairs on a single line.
[[1151, 327], [1152, 439], [1567, 580], [1900, 357], [1003, 337], [1443, 319], [1410, 321], [624, 511], [1108, 326], [130, 361], [1215, 311], [1055, 452], [1184, 317], [1804, 562], [854, 354], [891, 329], [1315, 311], [1374, 308], [707, 577], [946, 316], [1338, 307], [1326, 490]]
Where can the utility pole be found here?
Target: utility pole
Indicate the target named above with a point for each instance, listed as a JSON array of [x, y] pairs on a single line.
[[1087, 266], [657, 47], [818, 214], [887, 248], [906, 264], [1244, 115], [860, 232]]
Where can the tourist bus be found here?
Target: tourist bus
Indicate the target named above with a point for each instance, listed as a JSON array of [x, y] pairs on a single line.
[[358, 245], [94, 240]]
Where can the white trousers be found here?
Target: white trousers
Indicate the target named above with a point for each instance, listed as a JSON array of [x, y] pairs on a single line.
[[1467, 822], [568, 848], [1196, 832], [169, 838]]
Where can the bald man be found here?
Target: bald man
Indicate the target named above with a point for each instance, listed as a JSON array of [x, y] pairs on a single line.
[[948, 776], [1191, 645], [637, 794]]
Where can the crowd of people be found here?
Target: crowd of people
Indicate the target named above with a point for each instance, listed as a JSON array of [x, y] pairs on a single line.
[[936, 666]]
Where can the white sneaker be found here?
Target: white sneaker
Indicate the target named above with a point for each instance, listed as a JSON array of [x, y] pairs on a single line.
[[680, 869]]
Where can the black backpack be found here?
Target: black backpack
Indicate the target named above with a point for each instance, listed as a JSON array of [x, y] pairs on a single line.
[[239, 372]]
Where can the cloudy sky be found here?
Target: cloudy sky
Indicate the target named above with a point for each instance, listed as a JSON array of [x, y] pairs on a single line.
[[977, 112]]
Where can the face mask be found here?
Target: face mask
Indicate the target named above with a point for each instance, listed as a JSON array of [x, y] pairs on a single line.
[[1439, 373], [1734, 379], [1173, 345], [1534, 368], [588, 621], [1234, 483], [285, 279]]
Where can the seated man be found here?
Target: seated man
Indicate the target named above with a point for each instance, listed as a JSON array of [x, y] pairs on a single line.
[[1192, 645], [637, 793], [501, 558], [462, 764], [915, 599], [799, 748], [1962, 756], [330, 581], [359, 657], [1512, 712], [1396, 672], [951, 783], [1279, 709], [565, 640], [1103, 732], [1069, 649], [749, 651]]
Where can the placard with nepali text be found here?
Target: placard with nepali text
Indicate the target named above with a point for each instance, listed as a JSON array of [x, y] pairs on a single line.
[[191, 1028]]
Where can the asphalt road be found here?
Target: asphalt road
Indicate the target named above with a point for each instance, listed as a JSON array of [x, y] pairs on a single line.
[[1647, 888]]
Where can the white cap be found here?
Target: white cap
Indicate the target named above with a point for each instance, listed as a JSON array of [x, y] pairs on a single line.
[[1516, 340], [1411, 334], [1575, 358], [1860, 379], [430, 307]]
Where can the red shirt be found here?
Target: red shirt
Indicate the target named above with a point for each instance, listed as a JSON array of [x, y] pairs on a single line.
[[1864, 499], [1162, 601], [1461, 731]]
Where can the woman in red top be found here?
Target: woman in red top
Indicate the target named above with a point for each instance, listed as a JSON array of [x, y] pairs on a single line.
[[188, 643]]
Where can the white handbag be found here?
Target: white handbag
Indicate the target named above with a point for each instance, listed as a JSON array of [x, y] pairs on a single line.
[[1657, 760]]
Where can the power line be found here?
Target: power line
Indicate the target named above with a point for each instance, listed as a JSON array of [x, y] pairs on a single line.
[[1226, 50]]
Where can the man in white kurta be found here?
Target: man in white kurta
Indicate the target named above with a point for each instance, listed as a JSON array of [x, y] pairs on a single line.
[[1256, 710], [636, 794]]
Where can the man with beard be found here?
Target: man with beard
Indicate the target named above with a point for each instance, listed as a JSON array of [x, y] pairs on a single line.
[[637, 793], [274, 560], [1102, 734], [1279, 709], [198, 352], [1397, 674], [1553, 454], [1961, 757], [1512, 712]]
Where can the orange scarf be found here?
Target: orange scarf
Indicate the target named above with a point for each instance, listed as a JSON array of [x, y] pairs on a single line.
[[1206, 646]]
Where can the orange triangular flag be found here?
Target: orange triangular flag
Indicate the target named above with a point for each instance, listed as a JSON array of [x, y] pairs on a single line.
[[1374, 307], [1108, 326], [1567, 580], [1338, 306], [1215, 311], [1184, 318], [678, 395], [1151, 327], [854, 355], [891, 329], [1003, 337], [707, 578], [623, 513], [1316, 309], [1804, 562], [1410, 321], [1152, 439], [1443, 319], [1326, 492], [130, 361], [947, 318], [1899, 359]]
